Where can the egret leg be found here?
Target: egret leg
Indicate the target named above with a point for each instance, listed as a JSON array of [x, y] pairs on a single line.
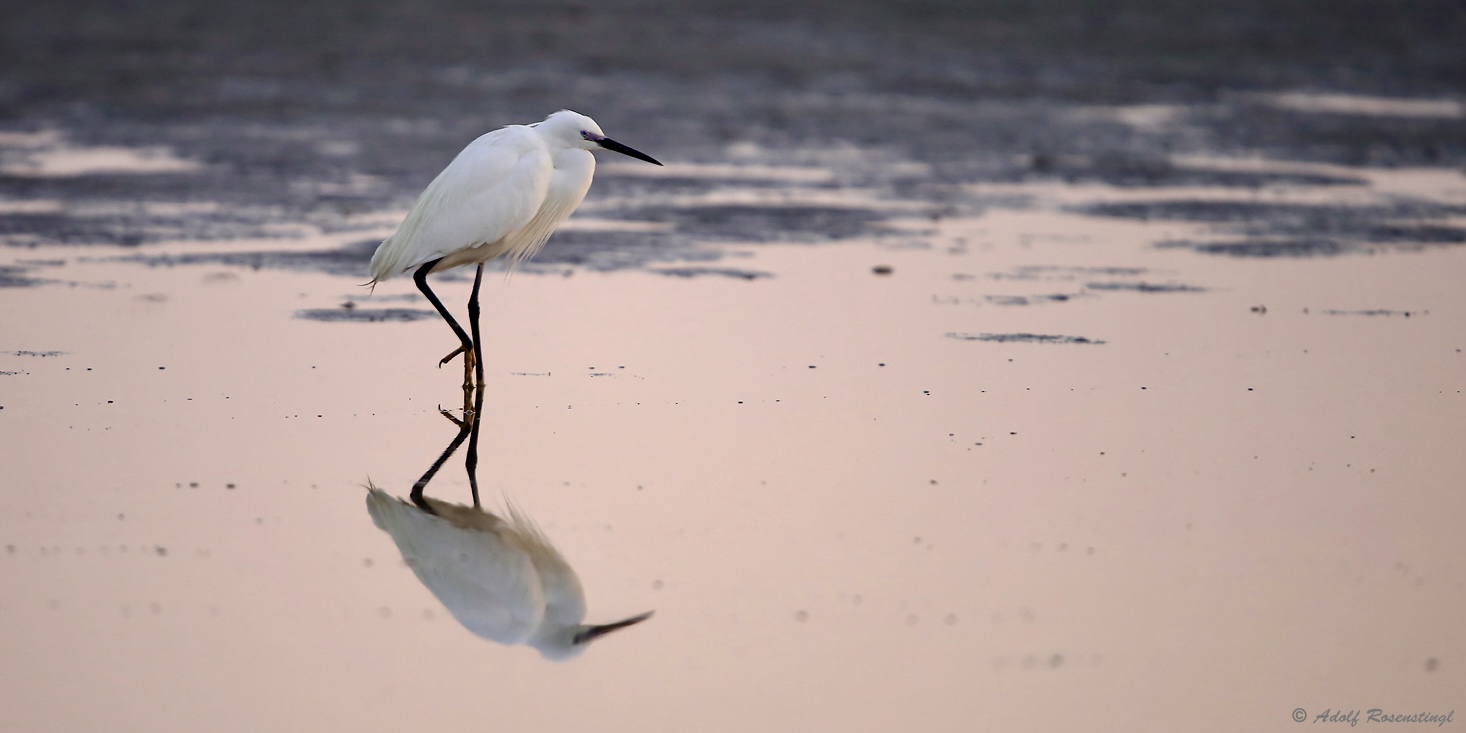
[[471, 463], [473, 310], [465, 345]]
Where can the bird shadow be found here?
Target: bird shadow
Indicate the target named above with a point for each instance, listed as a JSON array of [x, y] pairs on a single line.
[[497, 575]]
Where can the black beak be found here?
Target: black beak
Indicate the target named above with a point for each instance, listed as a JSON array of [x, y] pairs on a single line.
[[610, 144], [591, 632]]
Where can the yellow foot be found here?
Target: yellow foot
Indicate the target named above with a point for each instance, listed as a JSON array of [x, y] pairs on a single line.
[[468, 360], [453, 353]]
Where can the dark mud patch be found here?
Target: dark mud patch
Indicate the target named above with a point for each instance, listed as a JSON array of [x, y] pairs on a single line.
[[15, 276], [1291, 247], [1265, 248], [1019, 300], [120, 230], [607, 251], [1145, 287], [1347, 139], [365, 315], [350, 260], [765, 223], [1299, 230], [691, 272], [664, 183], [1273, 217], [1064, 272], [1027, 338], [1408, 234], [227, 203], [1128, 169], [1375, 312]]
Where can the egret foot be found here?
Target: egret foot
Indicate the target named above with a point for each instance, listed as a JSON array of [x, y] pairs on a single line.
[[462, 349]]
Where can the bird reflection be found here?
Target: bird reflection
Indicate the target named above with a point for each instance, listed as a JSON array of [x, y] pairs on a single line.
[[498, 575]]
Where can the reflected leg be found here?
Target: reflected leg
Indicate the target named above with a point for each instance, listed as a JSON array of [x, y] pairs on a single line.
[[471, 464], [464, 428]]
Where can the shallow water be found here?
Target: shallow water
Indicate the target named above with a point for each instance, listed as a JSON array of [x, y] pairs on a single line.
[[1028, 463]]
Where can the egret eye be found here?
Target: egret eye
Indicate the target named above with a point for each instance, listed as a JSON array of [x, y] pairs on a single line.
[[585, 134]]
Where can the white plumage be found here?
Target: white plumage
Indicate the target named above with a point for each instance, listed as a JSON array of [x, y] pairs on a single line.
[[502, 196], [480, 206], [500, 578]]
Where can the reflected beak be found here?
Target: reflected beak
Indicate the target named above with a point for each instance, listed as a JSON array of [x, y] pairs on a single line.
[[590, 633], [612, 145]]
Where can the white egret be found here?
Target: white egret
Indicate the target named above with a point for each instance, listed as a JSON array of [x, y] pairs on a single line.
[[501, 578], [501, 197]]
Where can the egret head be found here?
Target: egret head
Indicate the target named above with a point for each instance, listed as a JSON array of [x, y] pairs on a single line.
[[575, 130], [570, 641]]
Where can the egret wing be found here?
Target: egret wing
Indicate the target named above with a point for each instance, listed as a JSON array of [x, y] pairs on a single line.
[[479, 574], [492, 189], [564, 597]]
